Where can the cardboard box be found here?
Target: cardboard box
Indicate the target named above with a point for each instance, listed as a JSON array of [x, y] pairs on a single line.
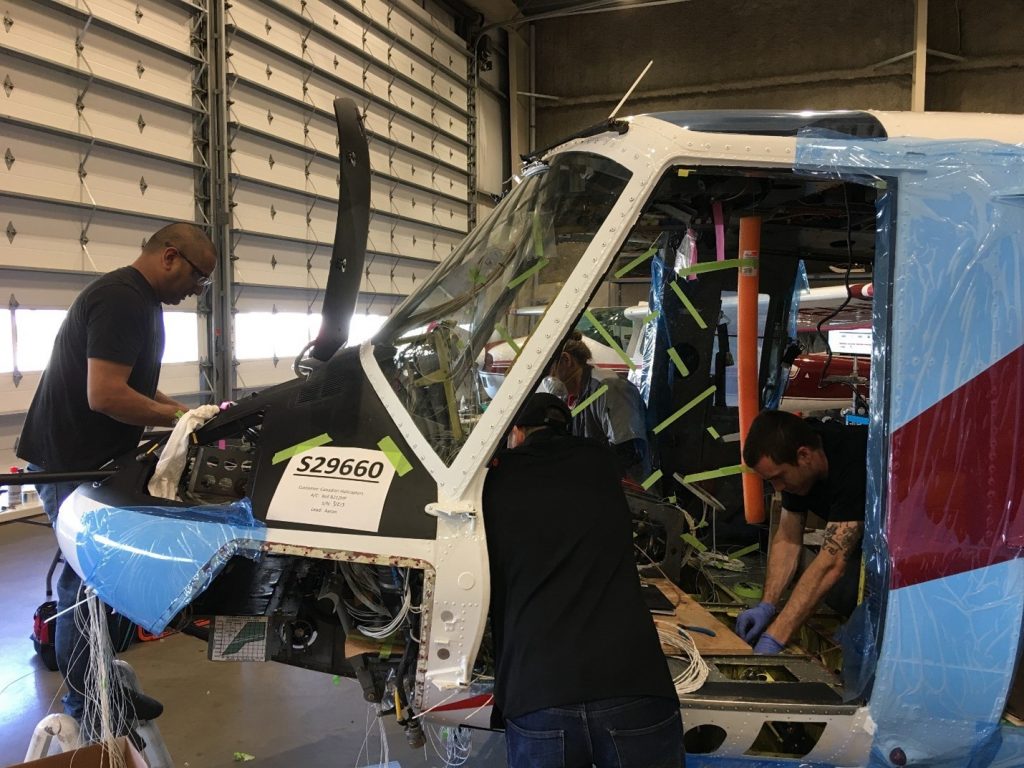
[[92, 756]]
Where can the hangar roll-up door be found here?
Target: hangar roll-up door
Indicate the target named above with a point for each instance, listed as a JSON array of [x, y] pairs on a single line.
[[286, 64], [120, 116], [104, 124]]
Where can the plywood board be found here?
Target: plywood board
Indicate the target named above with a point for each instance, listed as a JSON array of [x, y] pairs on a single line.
[[689, 612]]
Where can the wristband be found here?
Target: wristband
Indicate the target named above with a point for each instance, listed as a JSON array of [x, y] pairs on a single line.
[[177, 417]]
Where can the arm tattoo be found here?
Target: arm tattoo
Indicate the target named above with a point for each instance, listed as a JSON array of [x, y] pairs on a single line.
[[841, 539]]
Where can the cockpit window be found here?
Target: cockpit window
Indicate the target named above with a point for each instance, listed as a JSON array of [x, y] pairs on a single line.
[[437, 349]]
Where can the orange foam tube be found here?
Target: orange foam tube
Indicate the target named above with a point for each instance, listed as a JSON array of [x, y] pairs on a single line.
[[746, 355]]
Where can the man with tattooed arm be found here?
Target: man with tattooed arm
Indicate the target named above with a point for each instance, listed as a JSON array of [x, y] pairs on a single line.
[[819, 467]]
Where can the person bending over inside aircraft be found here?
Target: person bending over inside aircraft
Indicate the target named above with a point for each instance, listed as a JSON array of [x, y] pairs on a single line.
[[616, 417], [97, 393], [819, 467], [580, 678]]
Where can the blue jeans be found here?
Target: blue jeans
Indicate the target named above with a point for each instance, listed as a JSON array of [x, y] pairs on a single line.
[[70, 644], [630, 732]]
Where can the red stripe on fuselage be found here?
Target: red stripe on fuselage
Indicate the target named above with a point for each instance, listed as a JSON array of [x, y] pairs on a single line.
[[473, 702], [956, 494]]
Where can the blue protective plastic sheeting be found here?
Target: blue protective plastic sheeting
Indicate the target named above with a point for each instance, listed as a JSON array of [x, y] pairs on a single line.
[[960, 224], [1010, 753], [955, 267], [150, 562], [710, 761], [644, 372]]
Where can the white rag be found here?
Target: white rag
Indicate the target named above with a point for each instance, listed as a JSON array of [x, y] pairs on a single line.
[[172, 459]]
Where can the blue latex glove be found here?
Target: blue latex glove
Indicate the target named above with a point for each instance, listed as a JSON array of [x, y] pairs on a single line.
[[753, 621], [768, 645]]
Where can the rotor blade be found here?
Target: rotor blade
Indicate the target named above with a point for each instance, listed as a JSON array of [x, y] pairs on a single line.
[[349, 252]]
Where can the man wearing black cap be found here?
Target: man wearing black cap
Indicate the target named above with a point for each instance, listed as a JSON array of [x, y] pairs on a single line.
[[580, 677]]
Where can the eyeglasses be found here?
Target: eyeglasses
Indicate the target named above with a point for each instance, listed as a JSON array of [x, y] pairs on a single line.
[[201, 279]]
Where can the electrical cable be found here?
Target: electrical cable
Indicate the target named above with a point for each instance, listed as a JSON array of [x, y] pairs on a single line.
[[696, 672]]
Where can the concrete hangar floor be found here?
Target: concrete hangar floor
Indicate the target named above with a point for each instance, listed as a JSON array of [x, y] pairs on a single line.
[[283, 716]]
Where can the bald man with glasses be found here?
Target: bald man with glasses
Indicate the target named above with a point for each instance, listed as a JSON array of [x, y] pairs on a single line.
[[97, 394]]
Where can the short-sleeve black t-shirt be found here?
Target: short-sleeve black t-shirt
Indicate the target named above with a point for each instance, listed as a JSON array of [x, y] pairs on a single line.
[[568, 618], [117, 318], [842, 495]]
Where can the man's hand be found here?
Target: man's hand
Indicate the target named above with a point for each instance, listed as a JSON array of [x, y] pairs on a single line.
[[768, 645], [753, 621]]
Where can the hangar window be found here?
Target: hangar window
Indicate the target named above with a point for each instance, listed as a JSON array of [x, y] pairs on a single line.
[[36, 330], [284, 334]]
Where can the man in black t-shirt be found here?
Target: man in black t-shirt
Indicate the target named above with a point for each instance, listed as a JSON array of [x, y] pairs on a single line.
[[99, 391], [579, 672], [821, 468]]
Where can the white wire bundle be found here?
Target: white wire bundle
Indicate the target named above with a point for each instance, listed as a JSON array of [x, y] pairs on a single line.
[[373, 718], [366, 589], [100, 714], [452, 745], [721, 561], [696, 672]]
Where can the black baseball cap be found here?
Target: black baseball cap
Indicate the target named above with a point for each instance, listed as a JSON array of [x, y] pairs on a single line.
[[543, 409]]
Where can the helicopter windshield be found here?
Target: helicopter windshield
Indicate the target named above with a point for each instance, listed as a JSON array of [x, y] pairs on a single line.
[[434, 350]]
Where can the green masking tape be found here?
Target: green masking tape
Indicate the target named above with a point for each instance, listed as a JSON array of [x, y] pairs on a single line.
[[715, 266], [748, 590], [638, 260], [678, 361], [519, 279], [646, 484], [696, 477], [580, 406], [395, 456], [609, 340], [694, 542], [714, 433], [653, 316], [745, 551], [295, 450], [507, 338], [702, 396], [689, 306]]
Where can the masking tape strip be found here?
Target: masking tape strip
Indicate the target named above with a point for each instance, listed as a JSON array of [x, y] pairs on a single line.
[[609, 340], [580, 406], [714, 433], [638, 260], [653, 316], [395, 456], [689, 305], [746, 589], [646, 484], [694, 542], [746, 551], [735, 469], [507, 338], [702, 396], [714, 266], [385, 652], [519, 279], [678, 361], [295, 450]]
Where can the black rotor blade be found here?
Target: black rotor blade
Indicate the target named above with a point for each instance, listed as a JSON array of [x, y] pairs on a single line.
[[349, 252]]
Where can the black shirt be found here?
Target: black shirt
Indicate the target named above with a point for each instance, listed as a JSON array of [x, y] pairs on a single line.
[[841, 496], [568, 619], [117, 318]]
